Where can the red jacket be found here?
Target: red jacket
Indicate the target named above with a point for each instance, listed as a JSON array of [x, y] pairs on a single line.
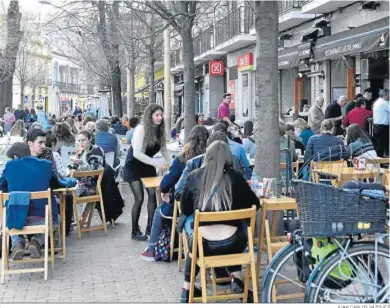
[[358, 116]]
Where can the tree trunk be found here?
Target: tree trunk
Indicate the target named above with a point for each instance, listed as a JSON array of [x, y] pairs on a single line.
[[116, 90], [152, 99], [266, 102], [189, 76], [22, 93], [167, 85], [8, 57]]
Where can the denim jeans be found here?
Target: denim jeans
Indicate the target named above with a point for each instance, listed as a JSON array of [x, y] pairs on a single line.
[[38, 237], [157, 226]]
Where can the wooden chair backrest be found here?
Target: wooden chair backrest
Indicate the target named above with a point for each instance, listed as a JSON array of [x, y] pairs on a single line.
[[34, 196], [219, 217], [98, 173], [335, 167]]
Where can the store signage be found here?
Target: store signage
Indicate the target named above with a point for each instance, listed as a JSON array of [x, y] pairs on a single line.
[[305, 51], [216, 68], [355, 44], [245, 62]]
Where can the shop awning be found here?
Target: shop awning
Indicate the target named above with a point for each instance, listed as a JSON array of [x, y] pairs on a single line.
[[145, 88], [370, 37], [288, 58]]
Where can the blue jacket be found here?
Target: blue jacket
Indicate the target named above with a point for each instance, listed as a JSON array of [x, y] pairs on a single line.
[[305, 135], [330, 148], [31, 174], [120, 129], [171, 178], [196, 163]]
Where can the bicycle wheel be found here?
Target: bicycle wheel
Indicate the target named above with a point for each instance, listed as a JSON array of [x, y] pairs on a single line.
[[359, 276], [280, 281]]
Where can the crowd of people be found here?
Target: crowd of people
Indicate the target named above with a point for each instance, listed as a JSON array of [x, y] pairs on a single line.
[[210, 174]]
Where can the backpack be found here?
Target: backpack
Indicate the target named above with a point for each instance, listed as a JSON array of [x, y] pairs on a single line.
[[162, 247]]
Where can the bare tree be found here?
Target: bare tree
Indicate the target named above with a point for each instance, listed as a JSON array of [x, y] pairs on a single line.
[[31, 63], [181, 16], [8, 55], [109, 39]]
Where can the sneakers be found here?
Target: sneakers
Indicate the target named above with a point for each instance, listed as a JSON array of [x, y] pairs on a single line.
[[148, 255], [237, 286], [185, 294], [18, 251], [34, 248]]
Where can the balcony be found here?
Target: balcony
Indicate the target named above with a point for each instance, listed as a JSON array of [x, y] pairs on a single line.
[[322, 6], [204, 47], [291, 14], [67, 87], [232, 32]]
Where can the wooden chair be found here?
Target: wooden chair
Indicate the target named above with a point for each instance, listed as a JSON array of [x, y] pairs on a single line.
[[204, 263], [334, 167], [275, 206], [274, 244], [46, 229], [179, 250], [84, 225]]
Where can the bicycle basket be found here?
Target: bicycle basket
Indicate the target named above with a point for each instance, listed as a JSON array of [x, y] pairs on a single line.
[[328, 211]]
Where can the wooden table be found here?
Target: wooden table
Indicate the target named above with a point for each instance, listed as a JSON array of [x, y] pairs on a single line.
[[274, 205], [153, 182], [349, 173], [62, 192]]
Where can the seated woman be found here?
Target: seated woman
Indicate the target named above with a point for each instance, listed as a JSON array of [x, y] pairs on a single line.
[[18, 129], [325, 145], [196, 145], [88, 157], [248, 141], [64, 135], [217, 187], [303, 130], [358, 143], [50, 143]]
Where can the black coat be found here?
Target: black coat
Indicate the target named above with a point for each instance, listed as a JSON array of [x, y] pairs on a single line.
[[113, 202]]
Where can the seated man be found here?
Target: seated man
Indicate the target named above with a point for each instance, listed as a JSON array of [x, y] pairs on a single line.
[[27, 173]]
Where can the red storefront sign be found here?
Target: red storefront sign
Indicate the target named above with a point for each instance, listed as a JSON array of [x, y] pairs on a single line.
[[216, 68], [231, 89], [245, 62]]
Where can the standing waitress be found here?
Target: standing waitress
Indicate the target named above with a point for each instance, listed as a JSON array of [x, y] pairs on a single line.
[[148, 140]]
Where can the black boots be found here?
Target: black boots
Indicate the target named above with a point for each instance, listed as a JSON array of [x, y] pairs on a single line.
[[137, 235]]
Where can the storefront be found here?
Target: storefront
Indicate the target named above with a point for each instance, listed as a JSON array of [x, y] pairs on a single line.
[[294, 80], [357, 59], [246, 83]]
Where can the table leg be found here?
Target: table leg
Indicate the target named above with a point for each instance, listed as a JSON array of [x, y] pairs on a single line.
[[261, 240], [63, 223], [273, 226]]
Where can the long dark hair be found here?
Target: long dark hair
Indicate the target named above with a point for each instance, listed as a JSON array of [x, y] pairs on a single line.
[[63, 132], [354, 132], [248, 129], [153, 134], [217, 160], [197, 143]]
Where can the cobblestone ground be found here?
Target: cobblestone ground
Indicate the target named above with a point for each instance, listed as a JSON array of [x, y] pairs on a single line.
[[100, 269]]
